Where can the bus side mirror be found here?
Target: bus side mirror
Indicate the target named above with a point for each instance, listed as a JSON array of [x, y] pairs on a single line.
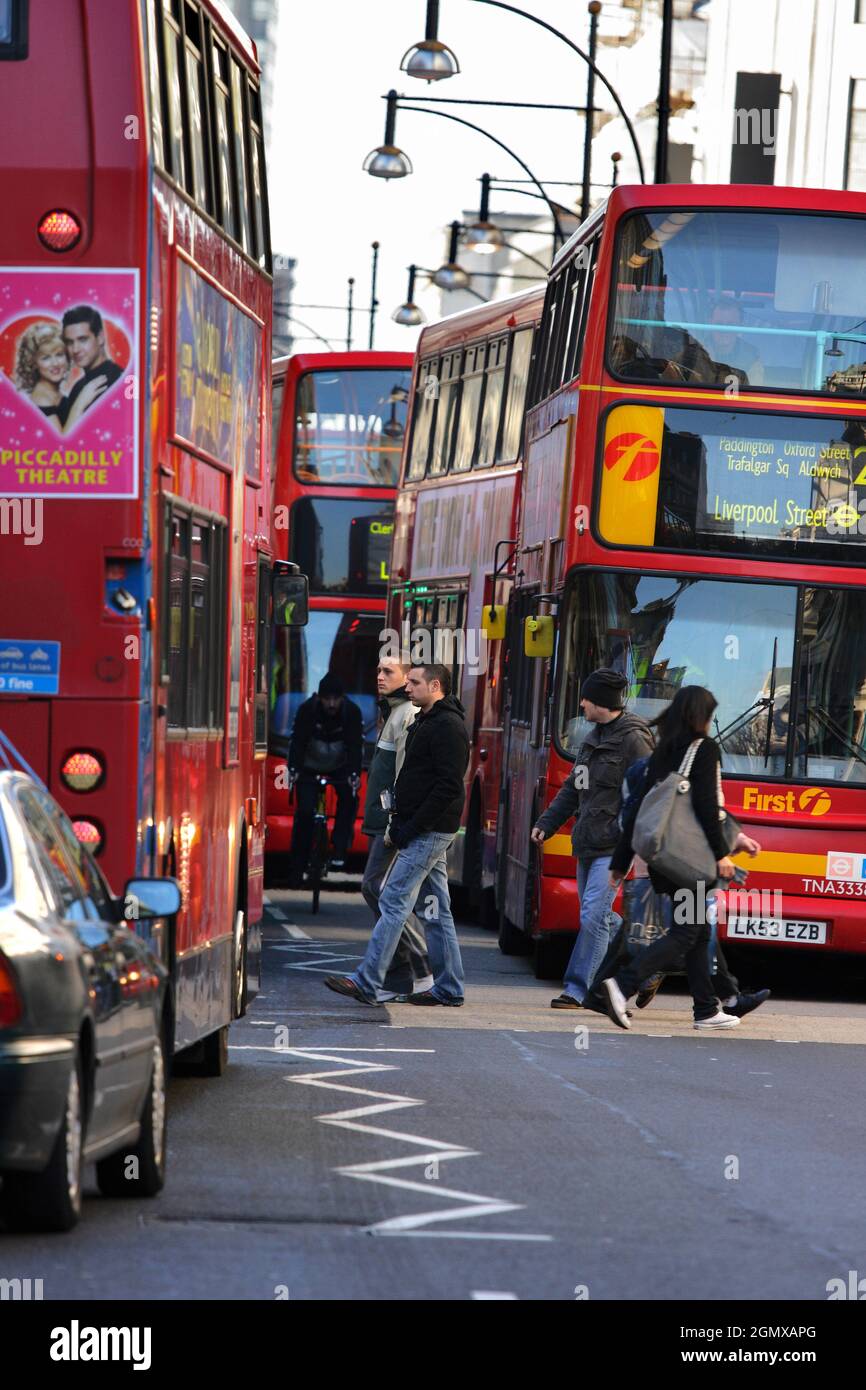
[[538, 636], [493, 621], [291, 600]]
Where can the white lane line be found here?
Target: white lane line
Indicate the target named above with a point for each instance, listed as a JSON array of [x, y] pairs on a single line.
[[480, 1295], [277, 913], [469, 1204], [297, 932]]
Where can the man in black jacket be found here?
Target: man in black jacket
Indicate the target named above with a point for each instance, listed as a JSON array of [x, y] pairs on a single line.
[[428, 804], [592, 793], [326, 742]]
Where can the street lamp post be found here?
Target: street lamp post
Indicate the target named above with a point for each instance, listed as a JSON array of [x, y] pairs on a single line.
[[594, 9], [513, 9], [349, 308], [387, 161], [374, 303], [664, 112]]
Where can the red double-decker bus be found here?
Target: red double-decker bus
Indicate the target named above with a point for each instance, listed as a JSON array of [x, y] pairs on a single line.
[[135, 304], [693, 513], [455, 537], [338, 425]]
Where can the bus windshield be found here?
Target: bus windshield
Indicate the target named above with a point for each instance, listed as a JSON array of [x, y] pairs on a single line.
[[786, 663], [343, 545], [345, 643], [741, 300], [349, 426]]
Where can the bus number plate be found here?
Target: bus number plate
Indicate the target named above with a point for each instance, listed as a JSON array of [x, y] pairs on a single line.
[[776, 929]]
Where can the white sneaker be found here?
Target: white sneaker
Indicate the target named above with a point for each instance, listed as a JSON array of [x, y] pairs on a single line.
[[616, 1002], [422, 986], [719, 1020]]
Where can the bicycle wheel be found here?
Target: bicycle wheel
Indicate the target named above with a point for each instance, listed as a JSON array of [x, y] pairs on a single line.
[[318, 860]]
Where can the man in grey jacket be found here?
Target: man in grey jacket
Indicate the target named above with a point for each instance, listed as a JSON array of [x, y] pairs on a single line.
[[592, 793], [410, 968]]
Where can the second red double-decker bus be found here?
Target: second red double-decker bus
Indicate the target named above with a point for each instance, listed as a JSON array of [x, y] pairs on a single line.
[[455, 537], [339, 422], [694, 513], [135, 303]]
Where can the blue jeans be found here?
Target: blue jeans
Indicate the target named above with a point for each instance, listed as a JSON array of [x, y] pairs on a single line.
[[597, 923], [423, 859]]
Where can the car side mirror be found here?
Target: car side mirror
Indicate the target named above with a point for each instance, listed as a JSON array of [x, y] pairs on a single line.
[[291, 599], [144, 898]]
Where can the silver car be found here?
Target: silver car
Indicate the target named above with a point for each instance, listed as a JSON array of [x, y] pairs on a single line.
[[83, 1020]]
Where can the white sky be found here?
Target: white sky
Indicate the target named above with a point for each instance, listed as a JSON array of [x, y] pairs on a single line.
[[334, 61]]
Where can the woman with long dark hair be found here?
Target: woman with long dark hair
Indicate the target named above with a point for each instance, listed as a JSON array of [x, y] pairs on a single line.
[[685, 721]]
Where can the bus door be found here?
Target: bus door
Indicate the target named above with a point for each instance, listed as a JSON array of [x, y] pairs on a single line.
[[523, 768]]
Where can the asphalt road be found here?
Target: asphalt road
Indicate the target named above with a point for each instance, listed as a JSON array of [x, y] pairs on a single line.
[[503, 1150]]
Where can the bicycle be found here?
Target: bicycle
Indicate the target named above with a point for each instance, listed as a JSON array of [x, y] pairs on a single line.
[[318, 864]]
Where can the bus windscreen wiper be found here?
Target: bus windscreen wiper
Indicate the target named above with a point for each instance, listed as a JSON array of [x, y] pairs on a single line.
[[771, 703]]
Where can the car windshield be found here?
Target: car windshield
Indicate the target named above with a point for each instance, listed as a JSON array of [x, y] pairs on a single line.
[[741, 299], [778, 716], [349, 426], [345, 643]]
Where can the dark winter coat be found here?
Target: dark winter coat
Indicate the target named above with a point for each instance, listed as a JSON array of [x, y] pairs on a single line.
[[313, 723], [429, 793], [602, 762]]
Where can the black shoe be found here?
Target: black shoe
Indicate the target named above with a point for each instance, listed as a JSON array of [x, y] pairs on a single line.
[[648, 993], [338, 864], [746, 1003], [341, 984], [565, 1001], [428, 997]]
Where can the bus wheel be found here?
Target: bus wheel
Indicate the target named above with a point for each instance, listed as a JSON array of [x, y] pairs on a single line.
[[512, 941], [550, 960], [239, 1003], [215, 1053]]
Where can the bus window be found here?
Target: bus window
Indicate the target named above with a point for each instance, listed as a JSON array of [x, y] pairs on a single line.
[[13, 30], [173, 70], [257, 169], [199, 185], [492, 408], [349, 426], [470, 401], [426, 396], [239, 123], [449, 395], [342, 544], [518, 374], [154, 66], [224, 148], [195, 621], [345, 643]]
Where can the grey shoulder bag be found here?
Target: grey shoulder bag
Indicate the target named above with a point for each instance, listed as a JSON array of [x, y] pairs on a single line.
[[668, 834]]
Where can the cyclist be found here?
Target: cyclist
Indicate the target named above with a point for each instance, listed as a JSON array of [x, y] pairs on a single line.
[[326, 742]]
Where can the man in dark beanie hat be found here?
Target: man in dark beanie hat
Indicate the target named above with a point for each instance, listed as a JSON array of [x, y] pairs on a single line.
[[592, 793], [327, 738]]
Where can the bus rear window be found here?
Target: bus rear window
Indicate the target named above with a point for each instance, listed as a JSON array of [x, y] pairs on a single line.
[[13, 29], [343, 545], [349, 426], [741, 482], [741, 300]]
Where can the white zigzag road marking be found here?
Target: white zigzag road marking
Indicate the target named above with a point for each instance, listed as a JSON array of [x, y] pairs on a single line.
[[472, 1204]]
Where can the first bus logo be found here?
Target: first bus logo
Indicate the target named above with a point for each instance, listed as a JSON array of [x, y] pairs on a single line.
[[636, 453]]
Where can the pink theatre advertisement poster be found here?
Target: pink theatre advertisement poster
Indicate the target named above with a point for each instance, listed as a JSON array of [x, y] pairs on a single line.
[[68, 382]]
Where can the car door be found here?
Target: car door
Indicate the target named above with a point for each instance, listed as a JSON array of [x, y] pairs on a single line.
[[138, 984], [98, 959]]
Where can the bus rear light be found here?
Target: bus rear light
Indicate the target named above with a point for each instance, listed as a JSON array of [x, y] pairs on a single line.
[[82, 772], [59, 230], [88, 834], [10, 1000]]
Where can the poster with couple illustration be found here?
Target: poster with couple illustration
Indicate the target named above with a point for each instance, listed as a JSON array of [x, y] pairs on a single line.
[[68, 382]]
